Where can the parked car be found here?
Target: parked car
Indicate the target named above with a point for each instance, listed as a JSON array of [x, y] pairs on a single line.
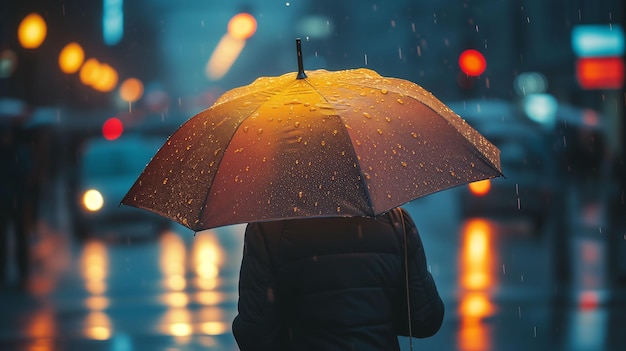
[[529, 186], [108, 169]]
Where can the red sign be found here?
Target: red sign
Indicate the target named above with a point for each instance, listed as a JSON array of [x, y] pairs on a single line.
[[600, 72]]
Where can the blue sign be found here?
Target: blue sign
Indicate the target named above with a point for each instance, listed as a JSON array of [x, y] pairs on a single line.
[[598, 40]]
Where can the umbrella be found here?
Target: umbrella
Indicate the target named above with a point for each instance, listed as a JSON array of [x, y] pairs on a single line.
[[320, 143]]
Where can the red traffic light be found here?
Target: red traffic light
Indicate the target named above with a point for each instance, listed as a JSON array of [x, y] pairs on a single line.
[[472, 62]]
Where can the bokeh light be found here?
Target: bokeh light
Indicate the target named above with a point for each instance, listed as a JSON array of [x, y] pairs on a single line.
[[93, 200], [242, 26], [89, 71], [71, 58], [8, 63], [481, 187], [472, 62], [32, 31], [112, 128], [107, 78], [131, 90]]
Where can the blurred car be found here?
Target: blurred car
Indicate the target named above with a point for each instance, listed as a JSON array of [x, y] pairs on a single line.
[[108, 168], [529, 186]]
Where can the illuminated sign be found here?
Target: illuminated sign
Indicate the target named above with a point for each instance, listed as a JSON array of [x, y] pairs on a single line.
[[600, 72], [598, 40], [600, 50], [112, 21]]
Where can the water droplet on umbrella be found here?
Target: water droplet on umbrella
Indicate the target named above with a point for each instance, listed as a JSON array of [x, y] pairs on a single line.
[[367, 115], [323, 143], [260, 131], [299, 139], [388, 119], [297, 124], [164, 181], [189, 201], [379, 131], [414, 135], [295, 209], [404, 164], [384, 91], [335, 132], [338, 209], [300, 194]]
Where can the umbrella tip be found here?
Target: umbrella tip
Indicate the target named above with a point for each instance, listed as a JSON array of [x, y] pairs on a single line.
[[301, 74]]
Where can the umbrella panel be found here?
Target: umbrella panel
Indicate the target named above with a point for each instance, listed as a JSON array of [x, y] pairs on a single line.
[[334, 144]]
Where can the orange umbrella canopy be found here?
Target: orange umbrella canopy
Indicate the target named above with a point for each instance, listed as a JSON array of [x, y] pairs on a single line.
[[342, 143]]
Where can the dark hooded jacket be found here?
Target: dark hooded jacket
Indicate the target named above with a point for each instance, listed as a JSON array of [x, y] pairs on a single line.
[[334, 284]]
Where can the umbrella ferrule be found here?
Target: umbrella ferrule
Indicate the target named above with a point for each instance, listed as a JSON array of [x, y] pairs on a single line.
[[301, 74]]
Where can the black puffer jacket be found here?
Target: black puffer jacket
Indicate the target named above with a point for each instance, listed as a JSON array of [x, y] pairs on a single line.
[[333, 284]]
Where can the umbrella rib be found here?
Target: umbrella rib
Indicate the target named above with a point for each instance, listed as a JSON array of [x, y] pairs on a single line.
[[206, 196], [434, 109], [370, 202]]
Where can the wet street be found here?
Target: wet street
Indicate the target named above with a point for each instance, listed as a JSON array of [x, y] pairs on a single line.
[[178, 291]]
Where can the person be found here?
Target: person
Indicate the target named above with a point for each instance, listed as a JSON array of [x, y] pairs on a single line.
[[334, 284]]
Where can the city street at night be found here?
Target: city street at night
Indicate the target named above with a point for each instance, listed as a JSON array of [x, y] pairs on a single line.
[[178, 291], [143, 142]]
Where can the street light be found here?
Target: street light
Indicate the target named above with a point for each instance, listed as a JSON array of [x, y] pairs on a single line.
[[241, 27], [71, 58], [32, 31]]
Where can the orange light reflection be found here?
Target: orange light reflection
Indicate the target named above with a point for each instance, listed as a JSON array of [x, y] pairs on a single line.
[[94, 267], [208, 256], [40, 325], [477, 279], [172, 261], [97, 326], [177, 322]]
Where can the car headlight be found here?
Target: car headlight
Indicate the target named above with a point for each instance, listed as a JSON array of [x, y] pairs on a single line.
[[93, 200]]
